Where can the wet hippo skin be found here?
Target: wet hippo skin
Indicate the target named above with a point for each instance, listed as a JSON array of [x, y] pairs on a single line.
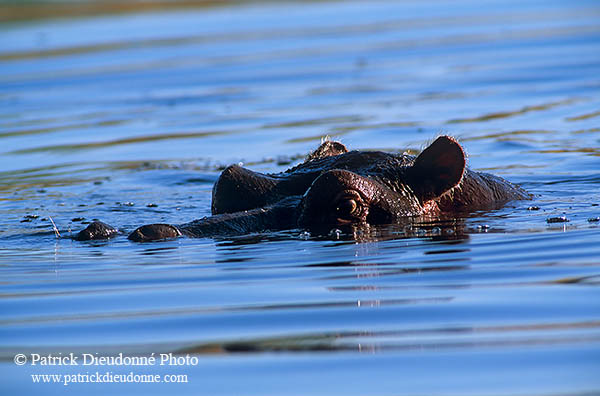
[[333, 187]]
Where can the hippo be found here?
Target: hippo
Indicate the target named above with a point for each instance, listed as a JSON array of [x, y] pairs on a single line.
[[335, 187]]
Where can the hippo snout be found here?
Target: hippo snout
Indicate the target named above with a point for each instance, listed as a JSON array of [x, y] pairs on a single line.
[[154, 232]]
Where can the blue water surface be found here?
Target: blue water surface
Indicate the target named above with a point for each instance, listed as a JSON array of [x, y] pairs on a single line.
[[130, 117]]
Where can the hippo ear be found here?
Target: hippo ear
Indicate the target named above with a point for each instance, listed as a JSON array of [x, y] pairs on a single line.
[[437, 169], [327, 149]]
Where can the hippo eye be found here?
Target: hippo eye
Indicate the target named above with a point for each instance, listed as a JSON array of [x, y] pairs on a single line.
[[346, 207], [349, 207]]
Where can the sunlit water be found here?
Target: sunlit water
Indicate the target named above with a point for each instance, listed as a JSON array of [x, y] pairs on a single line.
[[101, 117]]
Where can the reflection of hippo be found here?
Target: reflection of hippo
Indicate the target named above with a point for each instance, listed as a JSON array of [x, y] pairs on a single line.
[[335, 187]]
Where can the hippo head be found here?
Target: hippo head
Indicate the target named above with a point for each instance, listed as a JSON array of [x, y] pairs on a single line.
[[342, 196], [337, 187], [340, 187]]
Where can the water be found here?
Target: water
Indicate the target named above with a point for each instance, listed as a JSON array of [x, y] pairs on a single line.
[[102, 116]]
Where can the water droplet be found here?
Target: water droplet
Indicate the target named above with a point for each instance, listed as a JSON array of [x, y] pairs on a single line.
[[305, 235], [336, 233]]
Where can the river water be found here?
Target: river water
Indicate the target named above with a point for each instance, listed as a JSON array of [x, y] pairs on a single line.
[[128, 118]]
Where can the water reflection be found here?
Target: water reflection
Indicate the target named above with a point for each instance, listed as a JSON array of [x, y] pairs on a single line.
[[159, 251], [444, 228], [402, 340]]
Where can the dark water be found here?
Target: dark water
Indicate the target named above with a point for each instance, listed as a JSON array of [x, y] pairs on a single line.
[[100, 117]]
